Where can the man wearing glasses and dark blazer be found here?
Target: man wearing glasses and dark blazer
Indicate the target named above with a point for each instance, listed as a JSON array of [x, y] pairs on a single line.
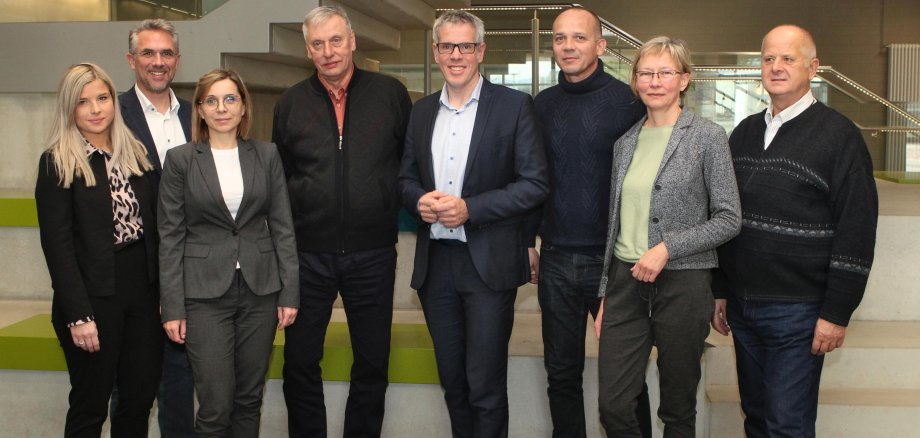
[[472, 170]]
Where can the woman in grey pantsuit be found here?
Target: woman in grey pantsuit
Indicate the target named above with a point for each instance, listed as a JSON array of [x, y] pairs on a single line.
[[673, 200], [228, 257]]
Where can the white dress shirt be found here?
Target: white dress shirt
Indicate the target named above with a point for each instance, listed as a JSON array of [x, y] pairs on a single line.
[[775, 122], [166, 128], [450, 148]]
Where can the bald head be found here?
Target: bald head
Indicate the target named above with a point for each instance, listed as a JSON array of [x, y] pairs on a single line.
[[787, 65], [792, 32], [585, 16], [577, 43]]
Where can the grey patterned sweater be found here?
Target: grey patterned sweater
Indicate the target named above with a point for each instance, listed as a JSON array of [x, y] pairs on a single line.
[[809, 213]]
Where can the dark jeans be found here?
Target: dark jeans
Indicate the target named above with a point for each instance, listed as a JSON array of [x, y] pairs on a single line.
[[229, 343], [176, 398], [130, 351], [672, 314], [778, 377], [365, 281], [470, 325], [569, 278]]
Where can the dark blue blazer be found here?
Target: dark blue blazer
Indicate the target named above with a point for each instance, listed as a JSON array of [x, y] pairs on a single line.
[[133, 113], [505, 178]]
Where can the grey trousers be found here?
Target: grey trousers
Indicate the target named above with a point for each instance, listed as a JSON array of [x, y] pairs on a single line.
[[229, 341], [673, 314]]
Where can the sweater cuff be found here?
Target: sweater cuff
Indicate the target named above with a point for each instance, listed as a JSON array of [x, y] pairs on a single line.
[[841, 299]]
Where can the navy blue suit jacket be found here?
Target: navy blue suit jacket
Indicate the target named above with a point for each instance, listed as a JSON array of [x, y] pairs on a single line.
[[133, 113], [505, 178]]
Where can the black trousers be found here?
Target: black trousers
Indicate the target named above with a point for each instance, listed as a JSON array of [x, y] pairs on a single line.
[[470, 325], [672, 314], [130, 346], [365, 281]]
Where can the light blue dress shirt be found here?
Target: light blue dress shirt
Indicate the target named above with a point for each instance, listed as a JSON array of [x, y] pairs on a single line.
[[450, 148]]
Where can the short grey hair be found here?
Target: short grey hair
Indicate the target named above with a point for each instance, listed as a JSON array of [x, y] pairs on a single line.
[[152, 24], [320, 14], [459, 17]]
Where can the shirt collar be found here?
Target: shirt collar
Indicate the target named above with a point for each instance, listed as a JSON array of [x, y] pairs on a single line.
[[792, 111], [90, 149], [337, 94], [147, 106], [445, 100]]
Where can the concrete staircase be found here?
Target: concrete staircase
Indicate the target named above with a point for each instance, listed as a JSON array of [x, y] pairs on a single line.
[[870, 387]]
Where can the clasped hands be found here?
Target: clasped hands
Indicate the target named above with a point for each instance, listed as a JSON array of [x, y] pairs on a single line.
[[441, 207]]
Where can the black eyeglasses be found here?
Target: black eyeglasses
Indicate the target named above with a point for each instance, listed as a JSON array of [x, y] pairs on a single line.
[[465, 48]]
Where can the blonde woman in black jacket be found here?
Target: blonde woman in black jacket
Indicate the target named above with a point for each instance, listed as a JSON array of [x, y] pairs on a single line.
[[98, 232]]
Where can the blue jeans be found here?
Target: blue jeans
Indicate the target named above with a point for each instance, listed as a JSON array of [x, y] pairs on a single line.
[[569, 280], [778, 377]]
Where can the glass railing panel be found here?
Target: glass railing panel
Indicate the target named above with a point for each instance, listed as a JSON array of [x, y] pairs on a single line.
[[173, 10]]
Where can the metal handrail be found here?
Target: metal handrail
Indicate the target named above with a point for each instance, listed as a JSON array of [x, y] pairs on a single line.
[[823, 71], [622, 34]]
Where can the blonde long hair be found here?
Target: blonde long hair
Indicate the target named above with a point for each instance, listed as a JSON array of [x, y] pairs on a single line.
[[65, 142]]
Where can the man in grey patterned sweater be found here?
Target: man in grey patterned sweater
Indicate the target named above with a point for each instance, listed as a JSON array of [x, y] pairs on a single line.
[[789, 283]]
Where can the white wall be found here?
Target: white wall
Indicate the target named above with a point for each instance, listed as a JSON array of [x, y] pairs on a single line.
[[37, 54], [24, 11]]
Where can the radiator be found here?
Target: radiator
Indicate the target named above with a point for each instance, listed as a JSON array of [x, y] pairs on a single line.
[[903, 91]]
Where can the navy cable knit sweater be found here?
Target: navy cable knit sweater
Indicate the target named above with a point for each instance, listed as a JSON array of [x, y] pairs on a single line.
[[580, 123], [809, 211]]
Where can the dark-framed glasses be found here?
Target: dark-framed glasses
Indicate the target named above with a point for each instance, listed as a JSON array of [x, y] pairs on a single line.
[[150, 53], [211, 102], [465, 48], [664, 75]]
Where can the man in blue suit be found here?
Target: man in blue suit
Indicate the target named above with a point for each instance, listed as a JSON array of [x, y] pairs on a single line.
[[161, 121], [472, 170]]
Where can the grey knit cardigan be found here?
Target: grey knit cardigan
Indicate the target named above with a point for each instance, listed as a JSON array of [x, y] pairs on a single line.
[[695, 205]]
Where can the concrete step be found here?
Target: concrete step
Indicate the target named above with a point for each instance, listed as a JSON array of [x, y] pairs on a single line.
[[870, 387], [834, 420], [877, 355], [889, 296], [899, 397]]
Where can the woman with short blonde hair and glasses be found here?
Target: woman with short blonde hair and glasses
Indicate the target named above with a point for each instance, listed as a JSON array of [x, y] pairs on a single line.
[[228, 256], [673, 200], [96, 215]]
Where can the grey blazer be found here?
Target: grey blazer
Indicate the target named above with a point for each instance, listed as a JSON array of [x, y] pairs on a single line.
[[200, 242], [695, 205]]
